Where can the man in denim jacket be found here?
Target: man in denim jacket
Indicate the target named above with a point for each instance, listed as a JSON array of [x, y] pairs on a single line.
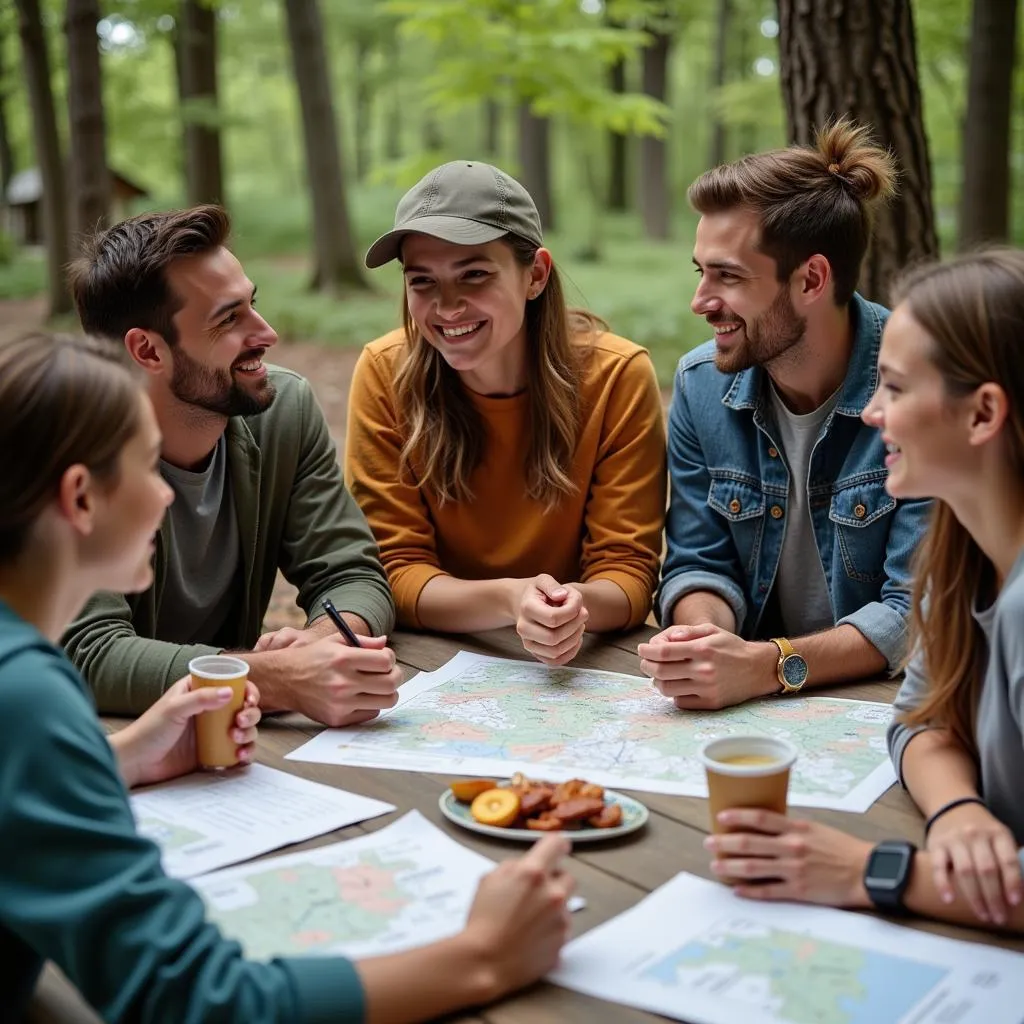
[[787, 563]]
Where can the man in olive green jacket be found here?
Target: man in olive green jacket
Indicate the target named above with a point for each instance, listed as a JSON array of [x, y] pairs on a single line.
[[256, 483]]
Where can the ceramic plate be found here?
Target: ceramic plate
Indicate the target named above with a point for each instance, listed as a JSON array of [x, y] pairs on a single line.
[[634, 816]]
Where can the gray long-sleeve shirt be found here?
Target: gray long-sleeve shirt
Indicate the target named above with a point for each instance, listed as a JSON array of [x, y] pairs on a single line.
[[999, 727]]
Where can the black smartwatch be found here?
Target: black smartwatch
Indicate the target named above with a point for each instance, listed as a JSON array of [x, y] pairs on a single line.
[[887, 874]]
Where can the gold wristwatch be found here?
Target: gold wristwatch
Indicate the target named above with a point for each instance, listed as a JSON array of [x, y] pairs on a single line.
[[792, 669]]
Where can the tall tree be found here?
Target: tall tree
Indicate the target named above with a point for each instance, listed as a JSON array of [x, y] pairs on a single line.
[[196, 45], [985, 194], [337, 265], [618, 151], [535, 162], [719, 72], [653, 193], [90, 176], [859, 57], [393, 115], [36, 60], [364, 90], [492, 128], [6, 150]]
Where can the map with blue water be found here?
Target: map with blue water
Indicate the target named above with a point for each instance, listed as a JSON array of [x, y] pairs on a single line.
[[799, 978]]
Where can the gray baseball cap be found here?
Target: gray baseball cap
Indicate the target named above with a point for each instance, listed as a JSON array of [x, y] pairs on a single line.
[[464, 202]]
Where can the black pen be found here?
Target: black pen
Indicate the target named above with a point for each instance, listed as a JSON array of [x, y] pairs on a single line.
[[343, 627]]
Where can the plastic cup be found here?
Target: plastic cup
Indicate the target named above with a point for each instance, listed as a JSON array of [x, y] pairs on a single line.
[[215, 749], [747, 771]]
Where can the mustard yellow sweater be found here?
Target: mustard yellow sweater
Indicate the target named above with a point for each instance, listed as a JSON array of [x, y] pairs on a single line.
[[609, 528]]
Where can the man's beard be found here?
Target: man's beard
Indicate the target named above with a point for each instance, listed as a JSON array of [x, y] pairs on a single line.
[[766, 338], [216, 391]]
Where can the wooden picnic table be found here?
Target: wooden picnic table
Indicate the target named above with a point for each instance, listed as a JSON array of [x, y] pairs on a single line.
[[612, 876]]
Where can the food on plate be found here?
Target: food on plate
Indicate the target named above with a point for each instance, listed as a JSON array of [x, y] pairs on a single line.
[[498, 807], [538, 805], [467, 790]]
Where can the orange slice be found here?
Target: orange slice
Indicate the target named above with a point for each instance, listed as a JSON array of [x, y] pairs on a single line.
[[467, 790], [498, 807]]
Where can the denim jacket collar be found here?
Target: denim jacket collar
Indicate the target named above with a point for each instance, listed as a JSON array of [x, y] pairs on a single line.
[[748, 385]]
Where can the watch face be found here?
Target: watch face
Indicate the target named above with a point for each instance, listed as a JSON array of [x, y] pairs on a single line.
[[886, 866], [794, 670]]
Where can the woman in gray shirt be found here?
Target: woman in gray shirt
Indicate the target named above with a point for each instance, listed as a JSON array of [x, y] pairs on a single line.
[[950, 405]]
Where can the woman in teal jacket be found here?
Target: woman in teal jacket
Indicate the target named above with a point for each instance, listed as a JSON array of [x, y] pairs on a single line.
[[80, 501]]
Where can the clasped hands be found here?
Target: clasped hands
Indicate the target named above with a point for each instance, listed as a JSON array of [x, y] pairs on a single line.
[[705, 667], [551, 619]]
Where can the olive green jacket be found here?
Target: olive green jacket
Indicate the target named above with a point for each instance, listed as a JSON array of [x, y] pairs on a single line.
[[294, 514]]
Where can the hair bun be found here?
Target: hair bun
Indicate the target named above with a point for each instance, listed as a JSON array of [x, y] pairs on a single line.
[[849, 153]]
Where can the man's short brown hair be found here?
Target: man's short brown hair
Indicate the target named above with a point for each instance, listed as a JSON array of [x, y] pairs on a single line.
[[809, 199], [120, 280]]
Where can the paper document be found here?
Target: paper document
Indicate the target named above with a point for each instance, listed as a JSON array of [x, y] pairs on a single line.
[[205, 821], [403, 886], [694, 951], [494, 717]]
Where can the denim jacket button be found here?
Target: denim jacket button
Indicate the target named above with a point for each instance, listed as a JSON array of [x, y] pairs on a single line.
[[773, 452], [777, 512], [860, 511], [735, 506]]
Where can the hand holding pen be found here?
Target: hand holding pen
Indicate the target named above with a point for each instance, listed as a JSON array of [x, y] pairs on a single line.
[[343, 627]]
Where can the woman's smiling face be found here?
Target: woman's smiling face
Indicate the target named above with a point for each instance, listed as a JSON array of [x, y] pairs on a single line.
[[469, 302], [924, 427]]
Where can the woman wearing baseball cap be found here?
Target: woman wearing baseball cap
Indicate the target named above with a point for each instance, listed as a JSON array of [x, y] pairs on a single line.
[[508, 452]]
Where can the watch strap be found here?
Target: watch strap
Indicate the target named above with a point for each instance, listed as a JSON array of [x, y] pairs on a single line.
[[889, 897], [784, 646], [786, 650]]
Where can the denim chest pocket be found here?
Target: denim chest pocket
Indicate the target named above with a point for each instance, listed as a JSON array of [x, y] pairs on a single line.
[[862, 513], [741, 503]]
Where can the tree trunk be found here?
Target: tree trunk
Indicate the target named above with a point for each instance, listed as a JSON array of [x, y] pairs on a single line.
[[985, 195], [747, 133], [90, 176], [618, 152], [654, 187], [492, 128], [433, 140], [858, 57], [197, 80], [337, 265], [36, 59], [393, 118], [716, 149], [6, 151], [363, 107], [535, 162]]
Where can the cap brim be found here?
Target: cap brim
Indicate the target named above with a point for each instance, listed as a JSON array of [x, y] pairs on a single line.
[[458, 230]]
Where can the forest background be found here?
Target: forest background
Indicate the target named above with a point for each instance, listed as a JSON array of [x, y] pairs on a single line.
[[309, 118]]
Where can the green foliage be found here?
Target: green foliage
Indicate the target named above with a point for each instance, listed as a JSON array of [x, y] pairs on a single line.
[[548, 53]]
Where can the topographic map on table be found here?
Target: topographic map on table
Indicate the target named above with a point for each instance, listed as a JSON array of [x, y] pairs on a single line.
[[399, 887], [493, 717], [694, 951]]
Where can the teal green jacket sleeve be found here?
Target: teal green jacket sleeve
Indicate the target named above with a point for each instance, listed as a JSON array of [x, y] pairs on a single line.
[[79, 886]]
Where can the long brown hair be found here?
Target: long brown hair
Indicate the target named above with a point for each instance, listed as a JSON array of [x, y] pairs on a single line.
[[809, 199], [66, 400], [444, 434], [972, 307]]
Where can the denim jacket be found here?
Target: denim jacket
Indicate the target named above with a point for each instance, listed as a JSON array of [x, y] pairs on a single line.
[[730, 488]]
